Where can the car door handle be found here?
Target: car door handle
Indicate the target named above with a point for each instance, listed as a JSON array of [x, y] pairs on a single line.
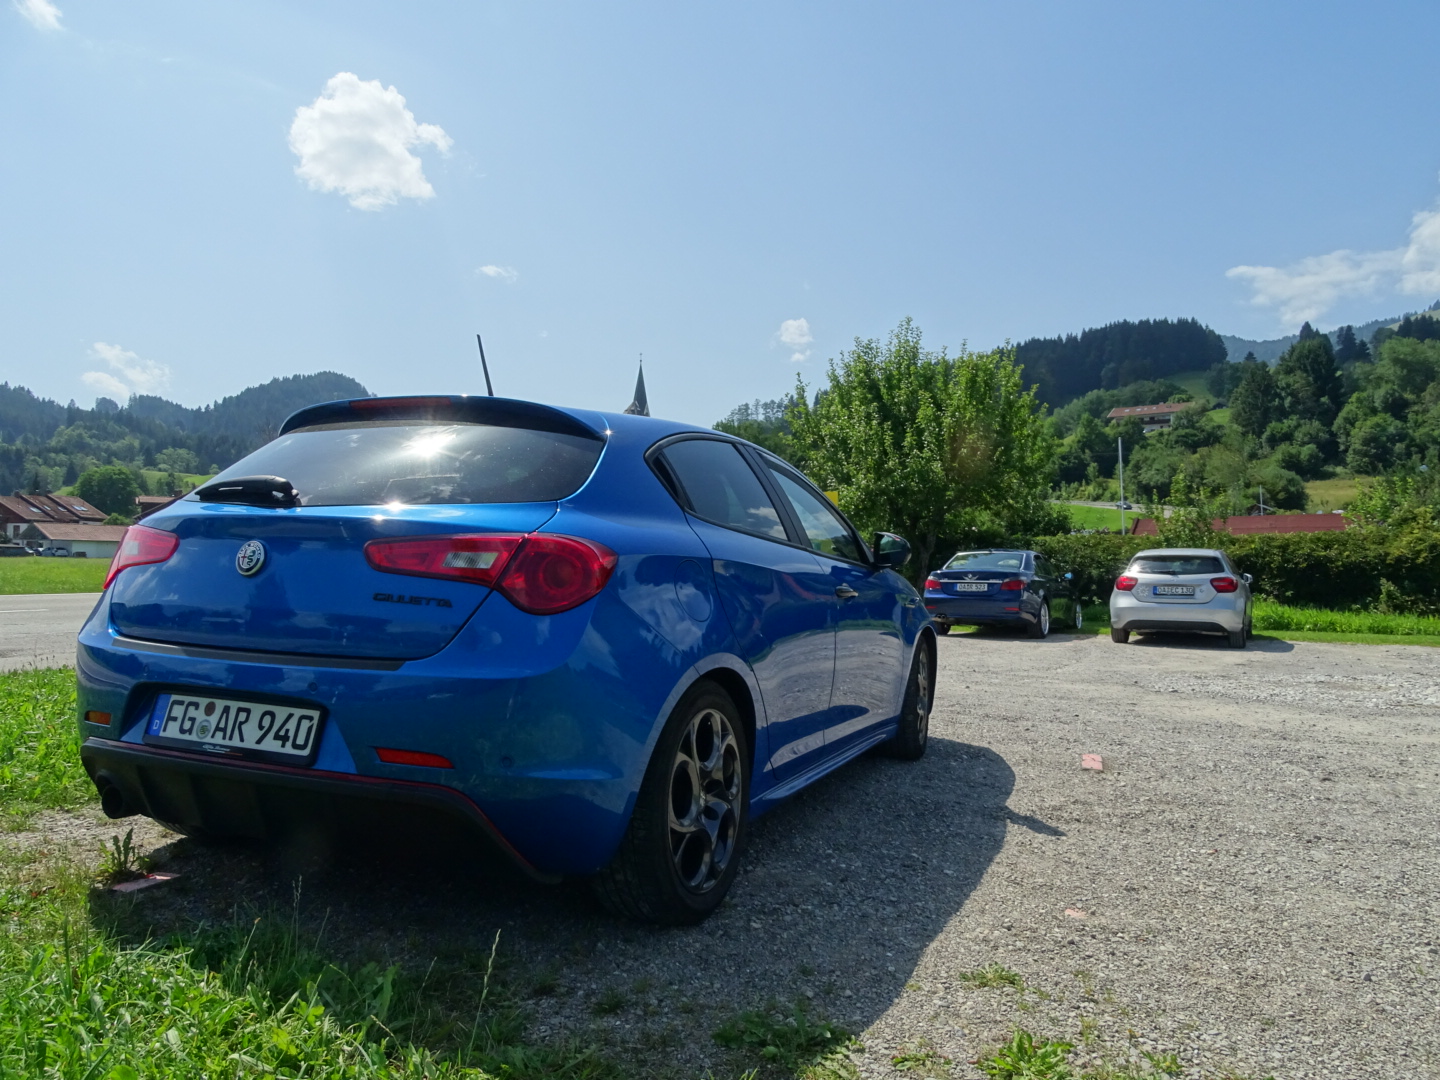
[[844, 592]]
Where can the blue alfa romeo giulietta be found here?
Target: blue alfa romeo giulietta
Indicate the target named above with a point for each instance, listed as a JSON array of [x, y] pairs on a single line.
[[603, 642]]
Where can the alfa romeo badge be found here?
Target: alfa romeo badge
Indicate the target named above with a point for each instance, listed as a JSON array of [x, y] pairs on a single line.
[[250, 558]]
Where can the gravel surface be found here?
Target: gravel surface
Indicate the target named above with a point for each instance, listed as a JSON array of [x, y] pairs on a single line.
[[1252, 882]]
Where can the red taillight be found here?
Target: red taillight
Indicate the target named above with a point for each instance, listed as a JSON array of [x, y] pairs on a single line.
[[1015, 584], [141, 545], [932, 584], [412, 757], [1125, 582], [538, 572], [476, 558], [1224, 584]]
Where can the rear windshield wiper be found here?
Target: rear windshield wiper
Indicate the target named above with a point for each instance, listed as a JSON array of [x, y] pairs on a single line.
[[251, 491]]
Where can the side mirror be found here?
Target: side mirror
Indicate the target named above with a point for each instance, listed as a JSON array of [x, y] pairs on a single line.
[[1247, 579], [1069, 576], [891, 550]]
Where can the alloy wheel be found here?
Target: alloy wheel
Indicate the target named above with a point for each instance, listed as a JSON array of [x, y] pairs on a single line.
[[1044, 619], [705, 790], [922, 693]]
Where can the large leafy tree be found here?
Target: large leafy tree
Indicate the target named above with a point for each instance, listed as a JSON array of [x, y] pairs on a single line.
[[111, 488], [926, 444]]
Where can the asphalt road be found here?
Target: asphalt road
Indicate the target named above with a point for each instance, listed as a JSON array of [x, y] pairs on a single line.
[[39, 630]]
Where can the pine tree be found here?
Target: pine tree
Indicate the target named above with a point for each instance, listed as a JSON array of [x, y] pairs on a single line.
[[1254, 403]]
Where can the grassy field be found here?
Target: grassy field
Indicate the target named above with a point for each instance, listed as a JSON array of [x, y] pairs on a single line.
[[154, 477], [1098, 517], [1327, 495], [1193, 381], [32, 574]]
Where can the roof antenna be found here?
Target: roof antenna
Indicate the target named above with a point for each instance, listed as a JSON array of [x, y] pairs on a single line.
[[484, 366]]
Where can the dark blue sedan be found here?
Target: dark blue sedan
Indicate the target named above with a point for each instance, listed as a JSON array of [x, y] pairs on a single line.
[[1001, 588], [603, 642]]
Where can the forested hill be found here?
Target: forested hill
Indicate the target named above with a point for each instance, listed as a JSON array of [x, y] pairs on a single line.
[[1268, 351], [45, 445], [1111, 356]]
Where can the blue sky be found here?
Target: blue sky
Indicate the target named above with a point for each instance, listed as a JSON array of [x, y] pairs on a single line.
[[198, 197]]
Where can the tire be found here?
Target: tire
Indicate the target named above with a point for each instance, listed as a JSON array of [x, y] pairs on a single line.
[[1236, 638], [942, 628], [1040, 628], [675, 869], [909, 742], [1120, 637]]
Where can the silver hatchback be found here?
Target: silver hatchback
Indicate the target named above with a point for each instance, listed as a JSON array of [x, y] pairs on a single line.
[[1186, 590]]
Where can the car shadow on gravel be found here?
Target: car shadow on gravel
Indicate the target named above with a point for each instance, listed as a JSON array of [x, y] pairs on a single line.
[[1172, 640], [841, 890]]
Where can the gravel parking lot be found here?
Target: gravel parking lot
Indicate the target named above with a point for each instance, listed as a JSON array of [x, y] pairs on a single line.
[[1252, 882]]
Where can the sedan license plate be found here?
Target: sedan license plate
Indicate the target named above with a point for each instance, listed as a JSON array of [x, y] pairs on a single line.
[[972, 586], [254, 729], [1174, 590]]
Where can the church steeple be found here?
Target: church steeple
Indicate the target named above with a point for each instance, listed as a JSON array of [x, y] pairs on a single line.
[[641, 405]]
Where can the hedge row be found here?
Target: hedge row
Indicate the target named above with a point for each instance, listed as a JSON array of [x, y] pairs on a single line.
[[1355, 569]]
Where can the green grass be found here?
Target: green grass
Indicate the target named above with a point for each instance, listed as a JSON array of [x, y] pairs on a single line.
[[1193, 381], [1327, 495], [39, 745], [790, 1040], [32, 574], [1285, 623], [1098, 517], [1220, 416], [1280, 618]]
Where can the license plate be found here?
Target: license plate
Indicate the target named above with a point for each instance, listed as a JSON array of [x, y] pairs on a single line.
[[972, 586], [1174, 590], [256, 729]]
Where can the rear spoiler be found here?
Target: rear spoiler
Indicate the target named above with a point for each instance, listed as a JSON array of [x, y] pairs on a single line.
[[455, 409]]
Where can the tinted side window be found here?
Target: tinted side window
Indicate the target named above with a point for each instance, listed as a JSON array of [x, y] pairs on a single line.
[[823, 527], [721, 487]]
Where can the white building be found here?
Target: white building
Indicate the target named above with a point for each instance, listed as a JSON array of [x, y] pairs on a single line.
[[74, 541]]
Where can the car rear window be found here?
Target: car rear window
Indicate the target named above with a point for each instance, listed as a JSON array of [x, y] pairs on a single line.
[[987, 560], [414, 463], [1176, 564]]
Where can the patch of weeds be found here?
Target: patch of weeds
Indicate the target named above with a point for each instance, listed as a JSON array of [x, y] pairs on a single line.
[[611, 1001], [642, 986], [790, 1040], [545, 983], [121, 860], [992, 975], [1163, 1064], [924, 1059], [1026, 1058]]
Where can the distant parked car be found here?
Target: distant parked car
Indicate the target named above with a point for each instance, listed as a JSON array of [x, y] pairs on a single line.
[[1001, 588], [1122, 505], [1189, 590]]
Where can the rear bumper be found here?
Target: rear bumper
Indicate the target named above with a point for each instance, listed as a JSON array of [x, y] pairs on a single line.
[[1222, 615], [978, 612], [262, 801]]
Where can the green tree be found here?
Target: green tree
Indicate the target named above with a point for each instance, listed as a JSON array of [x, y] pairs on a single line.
[[1253, 404], [177, 459], [928, 445], [110, 488], [1308, 381]]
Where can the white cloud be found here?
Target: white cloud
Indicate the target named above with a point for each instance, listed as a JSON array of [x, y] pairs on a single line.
[[1305, 290], [795, 334], [129, 373], [41, 14], [356, 139], [507, 274]]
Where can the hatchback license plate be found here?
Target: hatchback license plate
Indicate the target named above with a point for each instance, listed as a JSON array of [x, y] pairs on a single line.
[[1174, 590], [225, 725], [971, 586]]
